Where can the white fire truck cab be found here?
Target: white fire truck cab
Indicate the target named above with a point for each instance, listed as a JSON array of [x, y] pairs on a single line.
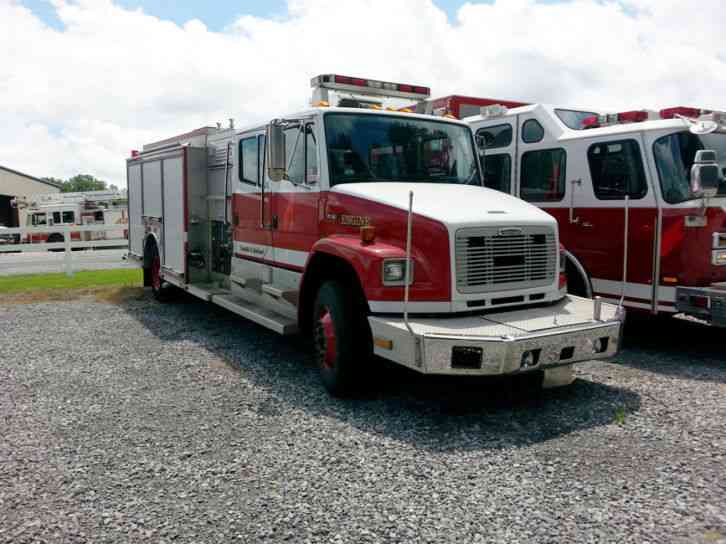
[[368, 230], [640, 198]]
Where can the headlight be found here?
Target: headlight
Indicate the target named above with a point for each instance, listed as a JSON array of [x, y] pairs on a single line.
[[394, 272], [719, 240], [718, 258]]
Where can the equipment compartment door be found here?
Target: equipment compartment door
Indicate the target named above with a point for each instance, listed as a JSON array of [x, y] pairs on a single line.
[[136, 224], [173, 172]]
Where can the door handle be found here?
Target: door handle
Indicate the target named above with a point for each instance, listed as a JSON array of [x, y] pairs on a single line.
[[586, 225]]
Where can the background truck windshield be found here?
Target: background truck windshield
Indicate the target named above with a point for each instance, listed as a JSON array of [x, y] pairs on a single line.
[[674, 155], [365, 147]]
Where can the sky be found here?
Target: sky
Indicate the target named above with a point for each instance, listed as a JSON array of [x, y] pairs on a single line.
[[82, 82]]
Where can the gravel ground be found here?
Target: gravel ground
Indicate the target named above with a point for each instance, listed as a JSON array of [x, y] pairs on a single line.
[[183, 423]]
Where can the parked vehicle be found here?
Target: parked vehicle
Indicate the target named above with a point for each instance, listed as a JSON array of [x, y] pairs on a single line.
[[636, 190], [367, 230], [75, 209]]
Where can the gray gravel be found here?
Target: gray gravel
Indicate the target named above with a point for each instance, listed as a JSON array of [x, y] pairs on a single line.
[[183, 423]]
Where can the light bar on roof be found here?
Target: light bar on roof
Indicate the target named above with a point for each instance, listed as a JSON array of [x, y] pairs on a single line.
[[336, 82]]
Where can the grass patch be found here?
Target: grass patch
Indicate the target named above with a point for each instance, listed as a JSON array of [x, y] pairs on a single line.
[[619, 417], [112, 286], [80, 280]]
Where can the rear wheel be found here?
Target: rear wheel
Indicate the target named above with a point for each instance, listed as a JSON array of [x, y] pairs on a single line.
[[342, 339], [55, 238], [162, 290]]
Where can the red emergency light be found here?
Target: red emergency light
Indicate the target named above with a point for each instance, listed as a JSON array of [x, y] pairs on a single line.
[[632, 116], [671, 113], [591, 122], [134, 153]]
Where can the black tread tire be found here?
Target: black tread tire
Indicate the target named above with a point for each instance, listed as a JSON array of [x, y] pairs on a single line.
[[55, 238], [344, 376], [163, 291]]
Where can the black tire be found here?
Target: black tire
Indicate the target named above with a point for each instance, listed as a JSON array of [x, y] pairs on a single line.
[[162, 290], [55, 238], [342, 339]]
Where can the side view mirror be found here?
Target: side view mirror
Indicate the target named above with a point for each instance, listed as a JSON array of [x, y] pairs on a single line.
[[705, 174], [276, 159]]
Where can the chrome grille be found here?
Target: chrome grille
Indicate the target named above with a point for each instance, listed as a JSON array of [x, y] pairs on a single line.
[[504, 258]]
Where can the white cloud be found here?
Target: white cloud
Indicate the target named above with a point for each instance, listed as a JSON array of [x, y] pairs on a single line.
[[79, 99]]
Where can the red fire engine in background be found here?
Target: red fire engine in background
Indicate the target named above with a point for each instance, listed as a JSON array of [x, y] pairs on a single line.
[[629, 195]]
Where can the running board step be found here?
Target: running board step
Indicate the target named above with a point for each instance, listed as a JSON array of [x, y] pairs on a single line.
[[262, 316]]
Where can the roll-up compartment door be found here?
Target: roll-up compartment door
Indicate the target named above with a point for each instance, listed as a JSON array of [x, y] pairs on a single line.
[[173, 170], [152, 189], [136, 225]]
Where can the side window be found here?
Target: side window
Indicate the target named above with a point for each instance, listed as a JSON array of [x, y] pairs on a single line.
[[543, 175], [39, 219], [69, 217], [56, 218], [532, 131], [294, 150], [312, 171], [248, 161], [494, 137], [497, 171], [616, 169], [98, 216]]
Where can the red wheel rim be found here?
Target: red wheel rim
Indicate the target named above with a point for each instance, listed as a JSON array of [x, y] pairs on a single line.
[[156, 273], [327, 341]]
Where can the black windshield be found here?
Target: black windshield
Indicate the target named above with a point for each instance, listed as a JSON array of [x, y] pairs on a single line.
[[674, 155], [366, 147]]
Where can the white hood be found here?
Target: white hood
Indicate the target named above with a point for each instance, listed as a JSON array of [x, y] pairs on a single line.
[[454, 205]]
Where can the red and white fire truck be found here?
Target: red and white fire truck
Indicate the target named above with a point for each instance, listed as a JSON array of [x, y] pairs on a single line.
[[638, 193], [74, 209], [367, 229]]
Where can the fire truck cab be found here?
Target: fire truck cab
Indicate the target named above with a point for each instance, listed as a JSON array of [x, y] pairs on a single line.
[[368, 230], [626, 189]]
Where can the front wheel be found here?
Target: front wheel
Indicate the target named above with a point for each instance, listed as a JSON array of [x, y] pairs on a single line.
[[342, 339]]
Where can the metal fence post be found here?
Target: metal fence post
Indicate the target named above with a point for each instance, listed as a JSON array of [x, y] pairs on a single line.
[[68, 261]]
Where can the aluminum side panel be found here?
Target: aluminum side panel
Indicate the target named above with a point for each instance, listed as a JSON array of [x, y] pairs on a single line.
[[174, 214], [136, 226]]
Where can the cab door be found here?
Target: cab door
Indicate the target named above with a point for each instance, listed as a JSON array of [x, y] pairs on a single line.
[[497, 144], [295, 207], [252, 214], [602, 173]]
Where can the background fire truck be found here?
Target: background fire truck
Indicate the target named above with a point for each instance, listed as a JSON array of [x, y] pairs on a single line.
[[367, 230], [627, 196], [74, 209]]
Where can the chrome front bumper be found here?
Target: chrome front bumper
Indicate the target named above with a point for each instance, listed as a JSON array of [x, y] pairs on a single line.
[[507, 342], [708, 303]]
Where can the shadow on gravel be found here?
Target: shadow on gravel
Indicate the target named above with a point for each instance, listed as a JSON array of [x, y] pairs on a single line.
[[433, 413], [675, 347]]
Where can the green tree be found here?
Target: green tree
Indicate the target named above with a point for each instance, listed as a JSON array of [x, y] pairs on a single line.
[[82, 183]]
